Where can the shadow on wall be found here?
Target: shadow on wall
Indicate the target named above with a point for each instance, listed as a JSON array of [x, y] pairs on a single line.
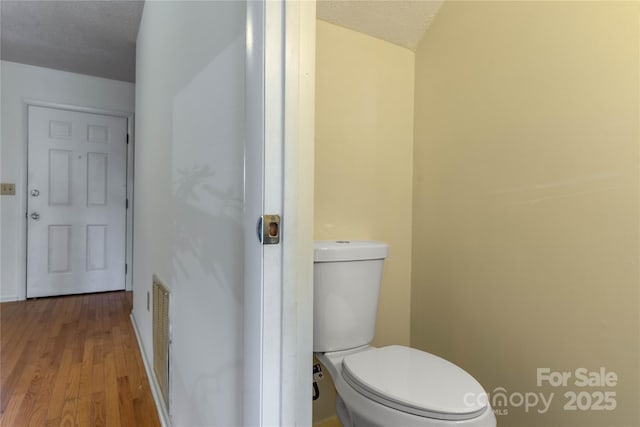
[[198, 232]]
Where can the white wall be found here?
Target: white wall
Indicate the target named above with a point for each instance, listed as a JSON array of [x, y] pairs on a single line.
[[189, 199], [18, 83]]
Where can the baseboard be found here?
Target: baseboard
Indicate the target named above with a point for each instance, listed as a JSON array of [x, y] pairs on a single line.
[[8, 298], [163, 414]]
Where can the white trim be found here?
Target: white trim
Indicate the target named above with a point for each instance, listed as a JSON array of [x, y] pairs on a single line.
[[22, 230], [128, 278], [278, 310], [8, 298], [264, 152], [78, 108], [254, 208], [153, 383], [297, 258], [273, 110]]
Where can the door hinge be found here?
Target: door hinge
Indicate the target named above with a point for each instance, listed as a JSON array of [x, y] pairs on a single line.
[[127, 139], [126, 204], [126, 268]]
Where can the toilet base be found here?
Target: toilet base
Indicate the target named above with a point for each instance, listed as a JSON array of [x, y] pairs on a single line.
[[343, 413]]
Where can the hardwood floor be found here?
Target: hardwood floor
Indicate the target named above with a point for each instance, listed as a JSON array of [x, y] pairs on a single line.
[[72, 361]]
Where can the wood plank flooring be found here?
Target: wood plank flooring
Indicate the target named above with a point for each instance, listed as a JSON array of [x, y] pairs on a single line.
[[72, 361]]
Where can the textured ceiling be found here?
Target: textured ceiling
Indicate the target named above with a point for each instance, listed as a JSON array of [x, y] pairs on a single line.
[[88, 37], [400, 22], [98, 37]]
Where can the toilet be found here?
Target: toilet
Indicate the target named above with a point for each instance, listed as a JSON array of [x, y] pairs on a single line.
[[384, 386]]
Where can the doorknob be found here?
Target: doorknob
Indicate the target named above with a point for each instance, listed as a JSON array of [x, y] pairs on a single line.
[[35, 193], [35, 215]]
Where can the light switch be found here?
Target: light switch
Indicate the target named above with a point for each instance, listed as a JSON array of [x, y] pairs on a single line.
[[7, 189]]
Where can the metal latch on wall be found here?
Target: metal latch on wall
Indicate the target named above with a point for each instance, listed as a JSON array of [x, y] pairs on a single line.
[[269, 229]]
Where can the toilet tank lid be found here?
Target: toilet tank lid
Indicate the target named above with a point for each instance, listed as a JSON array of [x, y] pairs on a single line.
[[349, 250]]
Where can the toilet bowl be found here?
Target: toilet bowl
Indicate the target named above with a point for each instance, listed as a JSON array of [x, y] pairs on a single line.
[[385, 386]]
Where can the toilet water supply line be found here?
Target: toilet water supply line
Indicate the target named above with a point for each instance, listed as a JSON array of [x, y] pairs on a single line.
[[317, 376]]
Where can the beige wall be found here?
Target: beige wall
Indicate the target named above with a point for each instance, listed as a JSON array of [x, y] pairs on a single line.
[[363, 160], [526, 198]]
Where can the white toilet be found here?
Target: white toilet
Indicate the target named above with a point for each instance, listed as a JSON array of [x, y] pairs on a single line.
[[386, 386]]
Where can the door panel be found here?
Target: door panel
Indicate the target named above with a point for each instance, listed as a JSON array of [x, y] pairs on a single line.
[[97, 165], [76, 202], [59, 177], [59, 249]]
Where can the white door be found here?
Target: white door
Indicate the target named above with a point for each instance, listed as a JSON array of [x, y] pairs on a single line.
[[76, 209]]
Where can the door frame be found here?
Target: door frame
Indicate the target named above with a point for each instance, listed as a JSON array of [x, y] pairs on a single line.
[[23, 231], [280, 77]]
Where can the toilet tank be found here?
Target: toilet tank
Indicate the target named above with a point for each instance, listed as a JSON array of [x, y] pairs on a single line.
[[346, 286]]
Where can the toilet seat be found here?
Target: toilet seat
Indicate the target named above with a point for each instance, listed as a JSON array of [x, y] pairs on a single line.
[[415, 382]]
